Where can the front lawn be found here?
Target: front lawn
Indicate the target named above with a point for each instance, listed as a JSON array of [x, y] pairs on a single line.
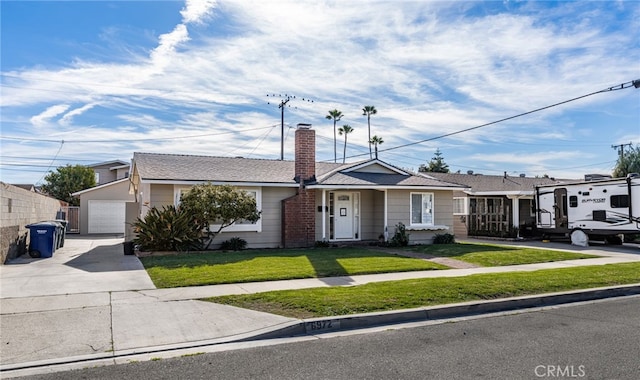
[[489, 255], [405, 294], [209, 268]]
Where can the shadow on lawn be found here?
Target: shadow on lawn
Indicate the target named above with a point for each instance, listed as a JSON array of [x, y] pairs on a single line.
[[459, 249], [324, 261]]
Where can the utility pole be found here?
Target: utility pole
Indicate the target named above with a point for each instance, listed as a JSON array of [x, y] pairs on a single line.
[[283, 102], [621, 149]]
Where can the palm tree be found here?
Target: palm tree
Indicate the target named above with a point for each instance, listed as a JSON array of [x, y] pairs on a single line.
[[345, 130], [336, 116], [368, 111], [375, 140]]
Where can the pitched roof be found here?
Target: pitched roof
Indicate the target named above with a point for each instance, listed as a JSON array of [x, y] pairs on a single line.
[[192, 168], [179, 167], [480, 183]]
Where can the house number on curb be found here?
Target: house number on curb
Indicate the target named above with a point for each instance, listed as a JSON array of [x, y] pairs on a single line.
[[321, 326]]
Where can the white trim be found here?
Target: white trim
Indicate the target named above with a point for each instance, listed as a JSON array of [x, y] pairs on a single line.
[[435, 227], [433, 214], [235, 184], [498, 192], [375, 162], [99, 187], [324, 215], [381, 187]]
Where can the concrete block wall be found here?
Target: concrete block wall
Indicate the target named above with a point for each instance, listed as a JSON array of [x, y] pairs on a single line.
[[20, 207]]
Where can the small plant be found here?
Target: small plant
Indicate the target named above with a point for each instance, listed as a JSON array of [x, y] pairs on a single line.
[[234, 244], [322, 244], [444, 239], [400, 238]]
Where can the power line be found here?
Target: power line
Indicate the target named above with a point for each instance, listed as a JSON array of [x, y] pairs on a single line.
[[633, 83]]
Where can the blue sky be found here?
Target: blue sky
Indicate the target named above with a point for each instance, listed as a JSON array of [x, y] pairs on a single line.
[[86, 82]]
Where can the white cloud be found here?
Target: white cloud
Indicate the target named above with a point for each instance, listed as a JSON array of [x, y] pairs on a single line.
[[196, 11], [68, 117], [51, 112]]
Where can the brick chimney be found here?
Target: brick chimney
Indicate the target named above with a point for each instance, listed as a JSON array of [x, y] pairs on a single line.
[[298, 211], [305, 152]]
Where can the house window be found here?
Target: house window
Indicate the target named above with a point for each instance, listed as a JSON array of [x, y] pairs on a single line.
[[239, 226], [422, 209], [460, 206]]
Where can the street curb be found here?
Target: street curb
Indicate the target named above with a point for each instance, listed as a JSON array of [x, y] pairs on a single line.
[[323, 325], [318, 326]]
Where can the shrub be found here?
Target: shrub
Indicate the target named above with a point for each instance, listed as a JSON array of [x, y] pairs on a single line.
[[322, 244], [400, 238], [444, 239], [167, 229], [234, 244]]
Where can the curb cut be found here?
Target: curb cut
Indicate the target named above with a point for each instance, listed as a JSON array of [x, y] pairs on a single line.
[[322, 325]]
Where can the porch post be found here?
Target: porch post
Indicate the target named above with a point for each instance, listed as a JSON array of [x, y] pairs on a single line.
[[386, 228], [324, 216], [515, 213]]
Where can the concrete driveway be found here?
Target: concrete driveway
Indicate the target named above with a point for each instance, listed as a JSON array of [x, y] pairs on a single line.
[[86, 264]]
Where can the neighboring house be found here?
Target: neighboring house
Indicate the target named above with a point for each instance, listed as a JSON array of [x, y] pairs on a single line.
[[304, 201], [493, 205], [102, 207], [110, 171]]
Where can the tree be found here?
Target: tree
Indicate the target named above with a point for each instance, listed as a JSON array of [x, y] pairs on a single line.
[[375, 140], [368, 111], [67, 180], [345, 130], [220, 205], [336, 116], [436, 165], [629, 162]]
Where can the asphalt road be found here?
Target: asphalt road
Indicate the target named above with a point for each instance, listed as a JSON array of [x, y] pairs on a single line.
[[596, 340]]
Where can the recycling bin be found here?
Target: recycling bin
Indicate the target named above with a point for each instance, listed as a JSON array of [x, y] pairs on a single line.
[[62, 232], [43, 239]]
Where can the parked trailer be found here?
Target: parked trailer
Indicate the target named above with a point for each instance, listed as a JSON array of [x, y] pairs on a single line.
[[599, 209]]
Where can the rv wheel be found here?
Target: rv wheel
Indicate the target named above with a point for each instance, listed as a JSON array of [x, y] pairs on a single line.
[[613, 240], [579, 238]]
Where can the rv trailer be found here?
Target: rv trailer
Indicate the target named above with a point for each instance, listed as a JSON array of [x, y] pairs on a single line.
[[598, 209]]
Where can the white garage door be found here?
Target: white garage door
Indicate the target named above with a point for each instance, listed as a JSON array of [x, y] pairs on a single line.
[[106, 217]]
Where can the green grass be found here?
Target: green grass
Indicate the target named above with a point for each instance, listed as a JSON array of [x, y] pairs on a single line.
[[489, 255], [373, 297], [194, 269]]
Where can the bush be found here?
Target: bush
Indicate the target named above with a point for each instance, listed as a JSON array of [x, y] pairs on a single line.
[[167, 229], [234, 244], [322, 244], [400, 238], [444, 239]]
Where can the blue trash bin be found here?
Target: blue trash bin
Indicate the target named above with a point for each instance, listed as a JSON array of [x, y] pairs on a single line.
[[43, 239]]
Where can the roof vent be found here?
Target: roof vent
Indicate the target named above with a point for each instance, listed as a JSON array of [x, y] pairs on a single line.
[[522, 175], [304, 126], [470, 172]]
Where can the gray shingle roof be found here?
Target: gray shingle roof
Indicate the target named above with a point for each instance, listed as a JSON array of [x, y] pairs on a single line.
[[179, 167], [484, 183]]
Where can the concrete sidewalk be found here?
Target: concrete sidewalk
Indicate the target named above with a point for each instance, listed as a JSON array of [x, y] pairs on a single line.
[[90, 303]]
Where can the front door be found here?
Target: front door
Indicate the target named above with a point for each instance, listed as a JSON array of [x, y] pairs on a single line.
[[343, 214], [560, 199]]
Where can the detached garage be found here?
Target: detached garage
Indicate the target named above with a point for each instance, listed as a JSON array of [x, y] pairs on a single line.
[[102, 208]]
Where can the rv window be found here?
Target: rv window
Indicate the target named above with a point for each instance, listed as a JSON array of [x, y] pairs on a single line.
[[573, 201], [620, 201]]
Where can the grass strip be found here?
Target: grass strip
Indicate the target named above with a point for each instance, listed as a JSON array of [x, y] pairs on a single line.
[[210, 268], [406, 294], [489, 255]]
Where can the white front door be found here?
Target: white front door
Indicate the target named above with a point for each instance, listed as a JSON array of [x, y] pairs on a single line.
[[343, 214]]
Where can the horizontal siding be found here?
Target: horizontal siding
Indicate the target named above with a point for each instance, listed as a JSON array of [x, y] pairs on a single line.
[[161, 195], [399, 212]]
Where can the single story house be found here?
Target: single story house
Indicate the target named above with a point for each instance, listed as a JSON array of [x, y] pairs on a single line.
[[304, 201], [492, 205]]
